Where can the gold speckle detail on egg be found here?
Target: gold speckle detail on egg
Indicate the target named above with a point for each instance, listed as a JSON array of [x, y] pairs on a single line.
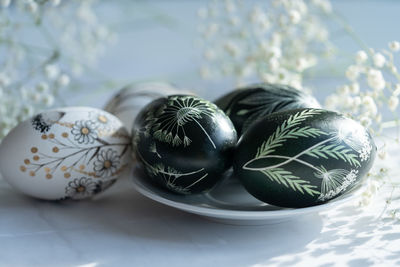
[[82, 152]]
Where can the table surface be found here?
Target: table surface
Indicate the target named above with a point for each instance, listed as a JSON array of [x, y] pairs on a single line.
[[123, 228]]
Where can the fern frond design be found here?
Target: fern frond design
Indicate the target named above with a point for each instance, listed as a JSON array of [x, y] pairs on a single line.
[[288, 130], [336, 152], [289, 180]]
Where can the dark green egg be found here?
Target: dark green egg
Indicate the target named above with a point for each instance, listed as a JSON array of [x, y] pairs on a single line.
[[246, 105], [184, 143], [303, 157]]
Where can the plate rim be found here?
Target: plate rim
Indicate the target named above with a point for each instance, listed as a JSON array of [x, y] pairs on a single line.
[[242, 214]]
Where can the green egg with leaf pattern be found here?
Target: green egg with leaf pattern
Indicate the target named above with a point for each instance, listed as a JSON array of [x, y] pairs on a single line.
[[303, 157], [184, 143], [246, 105]]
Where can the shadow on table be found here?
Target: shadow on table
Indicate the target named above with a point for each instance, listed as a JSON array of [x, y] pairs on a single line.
[[124, 218]]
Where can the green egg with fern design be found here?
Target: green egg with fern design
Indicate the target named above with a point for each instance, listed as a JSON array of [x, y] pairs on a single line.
[[184, 143], [246, 105], [303, 157]]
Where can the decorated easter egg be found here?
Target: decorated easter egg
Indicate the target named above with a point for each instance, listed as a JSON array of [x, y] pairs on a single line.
[[246, 105], [303, 157], [127, 103], [184, 143], [66, 153]]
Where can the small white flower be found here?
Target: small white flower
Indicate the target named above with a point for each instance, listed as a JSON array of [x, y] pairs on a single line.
[[379, 60], [42, 87], [361, 56], [301, 64], [35, 97], [32, 6], [48, 100], [369, 104], [51, 71], [273, 64], [393, 69], [382, 154], [4, 79], [394, 46], [27, 111], [232, 48], [375, 79], [365, 121], [393, 102], [356, 101], [352, 72], [344, 90], [354, 88], [63, 80], [294, 16]]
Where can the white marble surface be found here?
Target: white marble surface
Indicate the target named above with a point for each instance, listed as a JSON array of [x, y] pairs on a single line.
[[123, 228]]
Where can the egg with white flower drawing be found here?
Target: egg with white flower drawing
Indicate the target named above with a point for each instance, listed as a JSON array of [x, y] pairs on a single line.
[[184, 143], [246, 105], [303, 157], [65, 153]]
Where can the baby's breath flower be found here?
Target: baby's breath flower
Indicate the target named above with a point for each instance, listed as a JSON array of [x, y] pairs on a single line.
[[375, 79], [352, 72], [379, 60], [393, 102], [394, 46], [294, 16], [261, 37], [31, 6], [354, 88], [382, 154], [369, 104], [42, 87], [361, 57], [48, 100], [365, 121], [4, 79], [51, 71], [63, 80]]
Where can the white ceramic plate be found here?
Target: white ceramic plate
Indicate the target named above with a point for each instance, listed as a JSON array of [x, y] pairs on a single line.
[[228, 202]]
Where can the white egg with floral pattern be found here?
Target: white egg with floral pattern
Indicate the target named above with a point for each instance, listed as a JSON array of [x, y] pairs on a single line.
[[65, 153]]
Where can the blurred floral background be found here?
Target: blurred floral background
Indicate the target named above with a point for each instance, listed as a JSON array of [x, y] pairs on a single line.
[[59, 52]]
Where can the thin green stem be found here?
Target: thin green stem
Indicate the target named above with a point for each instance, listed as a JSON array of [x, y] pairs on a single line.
[[288, 160]]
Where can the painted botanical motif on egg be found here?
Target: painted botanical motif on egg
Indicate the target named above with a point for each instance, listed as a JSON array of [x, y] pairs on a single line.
[[169, 123], [333, 181], [65, 153], [184, 143], [82, 147]]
